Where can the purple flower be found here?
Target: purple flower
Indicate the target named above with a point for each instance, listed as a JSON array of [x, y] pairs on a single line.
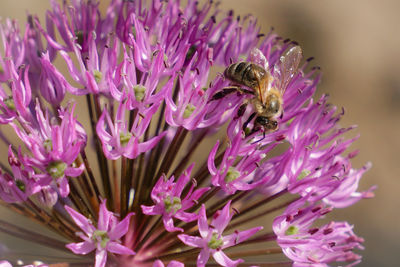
[[121, 141], [104, 237], [212, 242], [167, 196], [21, 184], [52, 83], [308, 245], [54, 147]]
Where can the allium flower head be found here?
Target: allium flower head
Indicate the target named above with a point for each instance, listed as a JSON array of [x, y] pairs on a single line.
[[137, 183]]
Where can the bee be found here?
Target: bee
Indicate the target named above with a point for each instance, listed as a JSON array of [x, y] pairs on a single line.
[[266, 87]]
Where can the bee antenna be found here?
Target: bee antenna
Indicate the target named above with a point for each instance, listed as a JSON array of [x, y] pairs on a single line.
[[309, 59], [260, 35], [295, 43], [230, 60], [286, 40]]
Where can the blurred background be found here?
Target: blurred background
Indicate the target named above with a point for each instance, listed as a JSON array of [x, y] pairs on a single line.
[[356, 43]]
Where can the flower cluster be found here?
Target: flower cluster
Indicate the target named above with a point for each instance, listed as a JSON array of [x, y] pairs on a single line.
[[154, 191]]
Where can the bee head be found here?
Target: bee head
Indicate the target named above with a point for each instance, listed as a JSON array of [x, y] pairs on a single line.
[[267, 123]]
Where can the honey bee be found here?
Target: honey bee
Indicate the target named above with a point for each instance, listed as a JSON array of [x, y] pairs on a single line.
[[267, 88]]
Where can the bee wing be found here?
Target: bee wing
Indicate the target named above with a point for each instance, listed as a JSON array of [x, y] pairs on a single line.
[[289, 66], [257, 57]]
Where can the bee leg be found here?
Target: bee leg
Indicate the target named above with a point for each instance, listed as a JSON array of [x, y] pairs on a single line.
[[225, 91], [248, 121], [255, 142], [245, 91], [260, 122], [241, 111]]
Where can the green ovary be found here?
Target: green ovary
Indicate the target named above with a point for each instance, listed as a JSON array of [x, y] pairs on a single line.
[[304, 173], [215, 242], [56, 169], [188, 111], [292, 230], [103, 237], [140, 91], [231, 175], [21, 185], [172, 204], [9, 103], [97, 76], [124, 138]]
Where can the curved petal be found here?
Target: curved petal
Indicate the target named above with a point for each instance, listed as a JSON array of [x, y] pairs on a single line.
[[63, 186], [202, 222], [81, 248], [169, 224], [117, 248], [221, 258]]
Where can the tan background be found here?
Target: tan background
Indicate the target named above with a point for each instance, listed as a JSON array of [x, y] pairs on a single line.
[[357, 45]]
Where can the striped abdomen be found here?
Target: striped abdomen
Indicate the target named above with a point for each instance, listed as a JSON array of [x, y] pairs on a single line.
[[245, 73]]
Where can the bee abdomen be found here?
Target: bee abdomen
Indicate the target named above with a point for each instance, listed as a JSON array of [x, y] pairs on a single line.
[[245, 73]]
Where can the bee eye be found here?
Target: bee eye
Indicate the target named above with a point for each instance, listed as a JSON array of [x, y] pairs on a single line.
[[273, 125]]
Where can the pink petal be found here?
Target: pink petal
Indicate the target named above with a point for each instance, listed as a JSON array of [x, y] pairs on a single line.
[[224, 260], [203, 257], [202, 222], [185, 216], [193, 241], [104, 217], [169, 224], [81, 248], [151, 210], [158, 263], [63, 186], [237, 238], [74, 172], [5, 264], [101, 258], [148, 145], [80, 220], [211, 165], [223, 219], [121, 228], [117, 248], [175, 264]]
